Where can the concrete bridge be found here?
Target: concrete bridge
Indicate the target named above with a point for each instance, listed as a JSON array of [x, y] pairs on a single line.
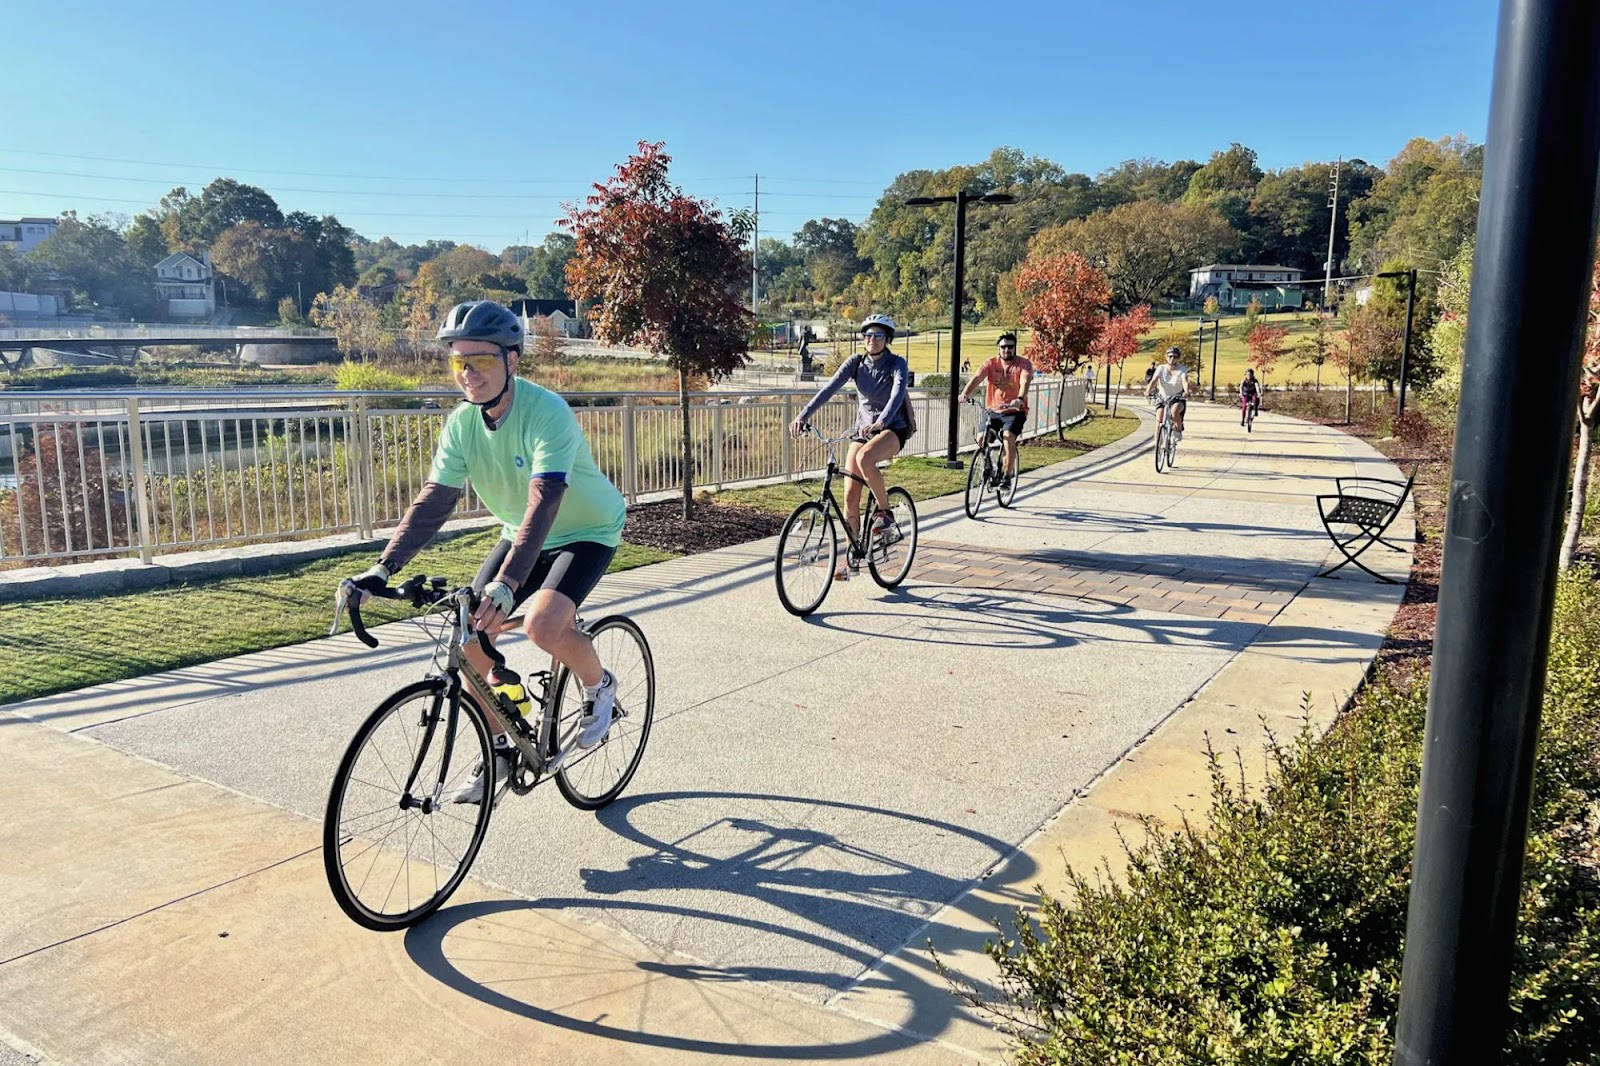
[[97, 343]]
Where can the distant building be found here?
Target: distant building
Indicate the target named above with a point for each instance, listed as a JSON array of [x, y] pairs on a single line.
[[562, 314], [185, 287], [1235, 284], [22, 234]]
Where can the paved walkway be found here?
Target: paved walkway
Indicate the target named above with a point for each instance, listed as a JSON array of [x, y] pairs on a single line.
[[820, 798]]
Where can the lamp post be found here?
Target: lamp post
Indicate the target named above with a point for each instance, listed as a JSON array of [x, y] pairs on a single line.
[[1405, 345], [961, 200]]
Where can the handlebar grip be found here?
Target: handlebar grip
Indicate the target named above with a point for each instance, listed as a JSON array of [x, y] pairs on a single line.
[[353, 607]]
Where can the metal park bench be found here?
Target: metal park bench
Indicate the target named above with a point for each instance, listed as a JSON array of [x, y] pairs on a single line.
[[1357, 516]]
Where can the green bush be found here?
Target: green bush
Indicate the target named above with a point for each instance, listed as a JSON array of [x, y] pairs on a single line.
[[364, 377], [1275, 935]]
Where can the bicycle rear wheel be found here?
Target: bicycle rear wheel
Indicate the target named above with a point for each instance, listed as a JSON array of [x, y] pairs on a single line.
[[808, 551], [892, 551], [591, 779], [394, 854], [979, 472]]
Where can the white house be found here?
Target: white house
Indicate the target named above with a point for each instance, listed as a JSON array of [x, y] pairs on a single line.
[[184, 285], [562, 314], [1236, 284], [21, 234]]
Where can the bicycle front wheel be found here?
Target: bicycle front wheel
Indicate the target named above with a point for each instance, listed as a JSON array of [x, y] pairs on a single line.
[[394, 846], [808, 550], [894, 549], [978, 473], [1161, 446], [591, 779]]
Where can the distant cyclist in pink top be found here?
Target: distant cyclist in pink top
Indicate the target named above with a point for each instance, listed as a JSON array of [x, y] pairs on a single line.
[[1008, 376]]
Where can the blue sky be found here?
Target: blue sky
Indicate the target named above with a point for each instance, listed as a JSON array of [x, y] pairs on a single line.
[[473, 121]]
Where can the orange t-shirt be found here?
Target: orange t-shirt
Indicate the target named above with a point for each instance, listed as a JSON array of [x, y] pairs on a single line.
[[1005, 380]]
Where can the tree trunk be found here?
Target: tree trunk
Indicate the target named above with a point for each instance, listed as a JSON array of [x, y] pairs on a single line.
[[1319, 377], [1349, 390], [688, 448], [1580, 485]]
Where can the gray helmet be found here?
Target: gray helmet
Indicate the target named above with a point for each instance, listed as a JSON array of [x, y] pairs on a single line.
[[482, 320]]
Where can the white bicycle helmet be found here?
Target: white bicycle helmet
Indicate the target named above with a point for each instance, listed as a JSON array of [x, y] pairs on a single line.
[[883, 322]]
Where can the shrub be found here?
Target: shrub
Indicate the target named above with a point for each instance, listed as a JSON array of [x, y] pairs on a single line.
[[364, 377], [1275, 935]]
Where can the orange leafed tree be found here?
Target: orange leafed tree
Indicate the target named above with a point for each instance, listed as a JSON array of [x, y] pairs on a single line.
[[1120, 338], [1588, 414], [1064, 300], [665, 273], [1267, 345]]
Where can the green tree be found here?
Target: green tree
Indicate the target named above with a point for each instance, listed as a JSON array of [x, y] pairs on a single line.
[[1448, 336], [226, 203], [356, 324], [145, 241], [90, 258], [1425, 206], [1145, 179], [668, 275], [1145, 249], [544, 271]]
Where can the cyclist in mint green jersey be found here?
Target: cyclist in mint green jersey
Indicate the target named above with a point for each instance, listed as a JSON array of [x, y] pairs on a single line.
[[528, 461]]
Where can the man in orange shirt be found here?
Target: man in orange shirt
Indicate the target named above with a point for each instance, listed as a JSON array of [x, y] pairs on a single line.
[[1007, 376]]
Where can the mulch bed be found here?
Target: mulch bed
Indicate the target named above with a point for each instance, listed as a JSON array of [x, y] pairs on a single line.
[[715, 525]]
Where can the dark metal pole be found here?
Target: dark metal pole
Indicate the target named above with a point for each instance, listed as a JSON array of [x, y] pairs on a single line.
[[1405, 345], [950, 459], [1216, 330], [1200, 347], [1530, 288]]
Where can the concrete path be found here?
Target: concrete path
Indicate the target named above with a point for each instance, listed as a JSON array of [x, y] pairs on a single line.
[[819, 800]]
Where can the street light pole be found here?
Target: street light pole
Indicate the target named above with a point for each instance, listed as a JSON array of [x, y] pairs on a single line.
[[961, 200], [1216, 330], [1519, 387], [1405, 347]]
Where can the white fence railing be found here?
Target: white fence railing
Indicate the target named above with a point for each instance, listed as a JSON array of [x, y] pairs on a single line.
[[101, 474]]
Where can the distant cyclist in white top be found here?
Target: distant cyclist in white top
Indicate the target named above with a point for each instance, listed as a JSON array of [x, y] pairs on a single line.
[[1172, 382]]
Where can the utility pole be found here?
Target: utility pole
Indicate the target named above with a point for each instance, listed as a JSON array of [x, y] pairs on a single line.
[[1327, 268], [755, 253]]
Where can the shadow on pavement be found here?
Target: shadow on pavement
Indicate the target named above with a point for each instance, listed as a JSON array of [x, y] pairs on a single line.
[[849, 910]]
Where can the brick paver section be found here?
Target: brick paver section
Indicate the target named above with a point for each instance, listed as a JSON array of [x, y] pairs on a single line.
[[1170, 588]]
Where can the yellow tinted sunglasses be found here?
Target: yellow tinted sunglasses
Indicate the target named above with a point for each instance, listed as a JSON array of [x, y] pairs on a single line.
[[481, 363]]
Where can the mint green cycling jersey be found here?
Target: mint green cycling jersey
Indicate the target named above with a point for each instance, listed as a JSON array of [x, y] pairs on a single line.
[[539, 438]]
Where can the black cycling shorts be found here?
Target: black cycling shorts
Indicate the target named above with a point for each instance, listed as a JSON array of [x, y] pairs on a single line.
[[901, 434], [572, 570], [1008, 421], [1178, 403]]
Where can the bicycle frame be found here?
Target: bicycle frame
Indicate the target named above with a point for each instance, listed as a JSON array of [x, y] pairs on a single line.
[[868, 511]]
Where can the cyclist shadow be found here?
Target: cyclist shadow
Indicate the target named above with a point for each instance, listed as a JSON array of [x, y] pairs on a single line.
[[771, 901], [962, 617]]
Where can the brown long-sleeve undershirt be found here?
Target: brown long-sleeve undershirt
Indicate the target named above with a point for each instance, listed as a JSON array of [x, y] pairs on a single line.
[[433, 506]]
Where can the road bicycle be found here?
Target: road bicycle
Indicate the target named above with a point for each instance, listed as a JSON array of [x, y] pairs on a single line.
[[808, 545], [394, 845]]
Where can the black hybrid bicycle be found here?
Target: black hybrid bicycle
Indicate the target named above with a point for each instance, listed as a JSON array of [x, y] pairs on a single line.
[[986, 472], [808, 545], [394, 844]]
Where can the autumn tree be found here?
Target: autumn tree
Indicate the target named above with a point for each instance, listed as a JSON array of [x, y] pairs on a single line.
[[1144, 249], [1119, 340], [1267, 346], [355, 321], [64, 508], [1588, 413], [1064, 302], [667, 274], [1314, 350]]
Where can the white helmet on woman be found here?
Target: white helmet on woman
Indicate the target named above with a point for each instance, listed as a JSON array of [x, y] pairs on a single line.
[[883, 322]]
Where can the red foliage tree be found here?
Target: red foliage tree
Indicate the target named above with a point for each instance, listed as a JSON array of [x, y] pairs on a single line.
[[666, 273], [1064, 300], [62, 507], [1120, 338], [1267, 345]]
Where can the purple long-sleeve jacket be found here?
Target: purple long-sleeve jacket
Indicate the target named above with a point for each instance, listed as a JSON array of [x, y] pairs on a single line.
[[881, 385]]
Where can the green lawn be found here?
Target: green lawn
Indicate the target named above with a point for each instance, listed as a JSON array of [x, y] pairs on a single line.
[[927, 478], [57, 645]]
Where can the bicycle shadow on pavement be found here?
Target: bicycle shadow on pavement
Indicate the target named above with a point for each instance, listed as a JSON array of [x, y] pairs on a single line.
[[732, 903]]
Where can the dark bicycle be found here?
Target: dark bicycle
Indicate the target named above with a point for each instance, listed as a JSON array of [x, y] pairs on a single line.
[[1166, 438], [986, 471], [394, 845], [808, 545]]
